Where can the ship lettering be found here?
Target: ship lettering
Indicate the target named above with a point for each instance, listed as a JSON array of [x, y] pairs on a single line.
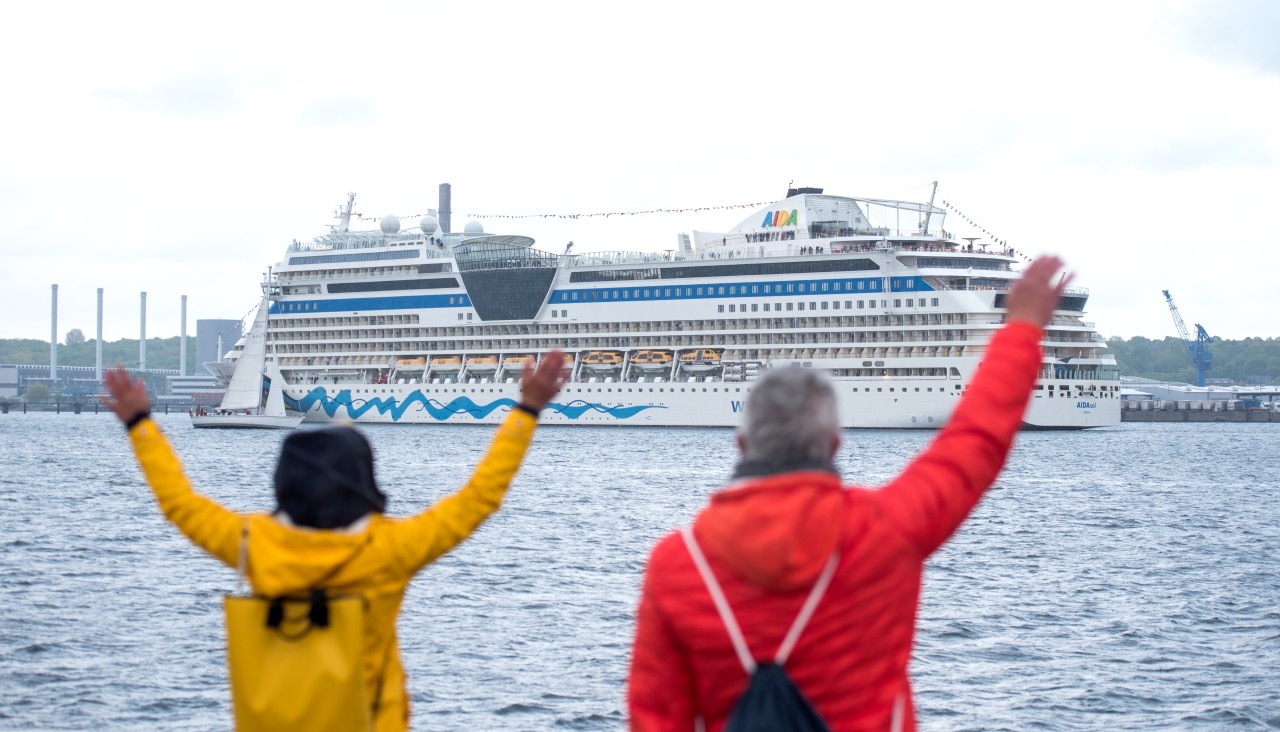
[[781, 218]]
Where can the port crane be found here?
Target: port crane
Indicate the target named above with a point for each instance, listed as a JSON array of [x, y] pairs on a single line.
[[1198, 347]]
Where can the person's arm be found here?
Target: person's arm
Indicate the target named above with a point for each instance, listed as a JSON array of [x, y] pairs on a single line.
[[659, 684], [209, 525], [939, 489], [446, 523]]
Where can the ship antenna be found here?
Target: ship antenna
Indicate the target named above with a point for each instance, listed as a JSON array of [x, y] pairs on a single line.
[[344, 216], [929, 213]]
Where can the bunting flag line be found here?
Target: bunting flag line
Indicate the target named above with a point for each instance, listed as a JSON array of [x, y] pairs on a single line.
[[601, 214], [975, 225]]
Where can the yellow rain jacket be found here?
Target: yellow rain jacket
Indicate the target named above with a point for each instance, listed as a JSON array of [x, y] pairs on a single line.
[[380, 556]]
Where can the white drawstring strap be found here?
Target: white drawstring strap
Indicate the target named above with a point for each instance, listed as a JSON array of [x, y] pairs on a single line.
[[731, 623], [806, 612], [722, 604]]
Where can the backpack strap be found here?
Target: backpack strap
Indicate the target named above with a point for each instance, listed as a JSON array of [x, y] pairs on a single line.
[[722, 604], [806, 611], [731, 623]]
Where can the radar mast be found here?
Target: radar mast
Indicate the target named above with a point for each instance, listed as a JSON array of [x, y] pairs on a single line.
[[344, 216], [927, 214]]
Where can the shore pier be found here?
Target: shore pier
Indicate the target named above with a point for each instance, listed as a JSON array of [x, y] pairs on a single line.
[[1194, 412]]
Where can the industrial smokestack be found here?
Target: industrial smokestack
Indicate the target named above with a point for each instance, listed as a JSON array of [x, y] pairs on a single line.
[[182, 343], [446, 207], [98, 363], [142, 339], [53, 340]]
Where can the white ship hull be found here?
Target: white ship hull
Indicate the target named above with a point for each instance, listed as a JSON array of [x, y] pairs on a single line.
[[670, 404], [245, 421]]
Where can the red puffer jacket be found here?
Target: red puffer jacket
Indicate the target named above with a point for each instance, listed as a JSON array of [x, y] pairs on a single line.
[[768, 538]]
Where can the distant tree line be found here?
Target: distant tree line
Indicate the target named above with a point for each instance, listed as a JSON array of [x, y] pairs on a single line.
[[162, 353], [1248, 361]]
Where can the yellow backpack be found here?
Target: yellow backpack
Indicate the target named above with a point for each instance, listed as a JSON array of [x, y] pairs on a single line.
[[296, 663]]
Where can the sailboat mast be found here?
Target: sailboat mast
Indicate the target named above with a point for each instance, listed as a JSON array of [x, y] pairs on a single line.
[[269, 290]]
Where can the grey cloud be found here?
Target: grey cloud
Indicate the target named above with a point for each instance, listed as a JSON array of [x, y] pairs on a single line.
[[340, 111], [196, 94], [1234, 31]]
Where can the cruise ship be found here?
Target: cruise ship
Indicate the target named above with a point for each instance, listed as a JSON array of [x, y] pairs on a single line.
[[427, 325]]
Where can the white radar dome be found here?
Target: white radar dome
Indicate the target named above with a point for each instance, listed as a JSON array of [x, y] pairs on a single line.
[[390, 224], [473, 227], [428, 224]]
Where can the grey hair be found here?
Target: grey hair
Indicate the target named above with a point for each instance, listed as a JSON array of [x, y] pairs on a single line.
[[791, 417]]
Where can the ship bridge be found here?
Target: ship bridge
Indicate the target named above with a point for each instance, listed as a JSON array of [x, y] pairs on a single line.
[[505, 277]]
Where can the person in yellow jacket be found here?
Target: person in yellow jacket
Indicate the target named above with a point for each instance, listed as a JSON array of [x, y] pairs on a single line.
[[329, 531]]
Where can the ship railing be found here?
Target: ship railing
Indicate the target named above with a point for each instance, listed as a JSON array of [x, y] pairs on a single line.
[[738, 247], [939, 287], [993, 265], [326, 244], [1072, 323]]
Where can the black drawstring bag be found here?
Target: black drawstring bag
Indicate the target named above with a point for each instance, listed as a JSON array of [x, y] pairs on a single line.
[[771, 703]]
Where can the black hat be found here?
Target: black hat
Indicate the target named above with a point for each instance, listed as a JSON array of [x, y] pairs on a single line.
[[324, 479]]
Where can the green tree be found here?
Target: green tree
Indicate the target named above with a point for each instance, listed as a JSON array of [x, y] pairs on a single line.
[[75, 337], [37, 393]]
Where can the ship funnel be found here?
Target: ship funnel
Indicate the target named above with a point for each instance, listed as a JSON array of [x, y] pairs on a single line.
[[446, 207], [182, 342], [142, 337], [97, 371], [53, 340]]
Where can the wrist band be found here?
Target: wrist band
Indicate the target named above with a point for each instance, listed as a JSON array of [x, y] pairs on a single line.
[[528, 410], [135, 419]]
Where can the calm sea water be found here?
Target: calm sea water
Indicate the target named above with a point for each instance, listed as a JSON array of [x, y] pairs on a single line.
[[1114, 579]]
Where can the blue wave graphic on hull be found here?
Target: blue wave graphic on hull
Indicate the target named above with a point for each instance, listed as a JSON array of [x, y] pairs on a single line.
[[442, 412]]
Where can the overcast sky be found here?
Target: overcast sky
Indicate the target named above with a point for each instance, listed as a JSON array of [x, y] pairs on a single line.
[[177, 150]]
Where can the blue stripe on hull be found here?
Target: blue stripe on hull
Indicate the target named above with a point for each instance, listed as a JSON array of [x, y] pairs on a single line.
[[442, 412]]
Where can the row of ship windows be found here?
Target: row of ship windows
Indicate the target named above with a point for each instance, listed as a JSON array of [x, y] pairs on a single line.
[[353, 257], [588, 340], [877, 343], [779, 288], [792, 306], [834, 305], [282, 329], [291, 279], [309, 307], [656, 293], [778, 334]]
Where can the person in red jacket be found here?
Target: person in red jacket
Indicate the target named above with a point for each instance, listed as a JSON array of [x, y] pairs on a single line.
[[768, 535]]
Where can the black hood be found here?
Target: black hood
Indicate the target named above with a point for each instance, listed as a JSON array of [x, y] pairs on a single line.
[[324, 479]]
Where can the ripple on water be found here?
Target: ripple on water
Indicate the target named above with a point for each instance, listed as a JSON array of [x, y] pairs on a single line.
[[1107, 582]]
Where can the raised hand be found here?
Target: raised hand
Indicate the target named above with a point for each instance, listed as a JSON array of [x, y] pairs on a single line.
[[539, 385], [127, 398], [1034, 297]]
